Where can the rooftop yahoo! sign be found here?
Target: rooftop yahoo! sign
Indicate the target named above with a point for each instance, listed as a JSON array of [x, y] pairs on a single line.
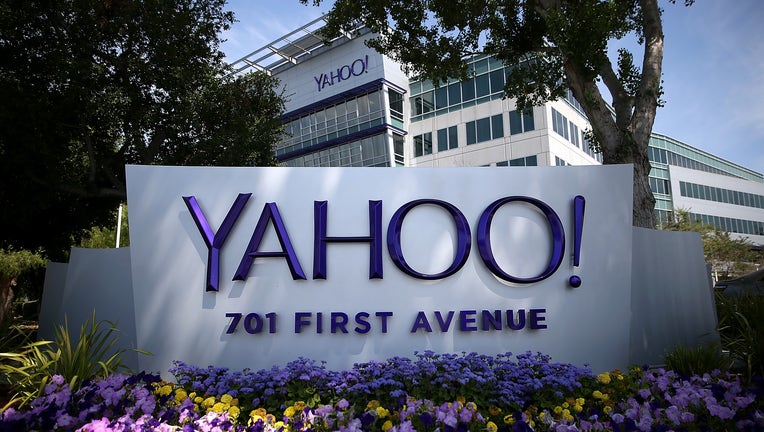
[[486, 260], [355, 68]]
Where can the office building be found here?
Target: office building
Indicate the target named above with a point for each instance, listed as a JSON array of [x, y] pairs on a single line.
[[351, 106]]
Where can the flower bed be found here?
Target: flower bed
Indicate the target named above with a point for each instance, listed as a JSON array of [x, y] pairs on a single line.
[[431, 392]]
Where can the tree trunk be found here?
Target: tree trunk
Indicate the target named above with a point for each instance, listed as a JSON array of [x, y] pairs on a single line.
[[6, 298]]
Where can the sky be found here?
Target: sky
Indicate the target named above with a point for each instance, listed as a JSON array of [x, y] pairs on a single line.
[[713, 68]]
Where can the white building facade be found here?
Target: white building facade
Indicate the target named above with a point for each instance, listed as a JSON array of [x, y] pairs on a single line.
[[351, 106]]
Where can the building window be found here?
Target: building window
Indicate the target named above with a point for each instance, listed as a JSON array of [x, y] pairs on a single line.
[[524, 161], [398, 149], [575, 136], [521, 121], [423, 144], [559, 124], [396, 108], [447, 139], [560, 162], [485, 129]]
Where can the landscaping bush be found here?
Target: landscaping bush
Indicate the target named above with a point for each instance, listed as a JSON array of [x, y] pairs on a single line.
[[29, 371], [696, 361], [741, 327]]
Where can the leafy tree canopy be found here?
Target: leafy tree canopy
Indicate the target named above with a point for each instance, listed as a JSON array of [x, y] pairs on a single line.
[[554, 45], [91, 86]]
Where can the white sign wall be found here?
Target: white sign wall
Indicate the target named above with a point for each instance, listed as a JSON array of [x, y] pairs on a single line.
[[400, 260]]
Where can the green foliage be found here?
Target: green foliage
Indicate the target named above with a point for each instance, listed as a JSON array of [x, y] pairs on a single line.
[[696, 361], [550, 46], [97, 85], [741, 327], [31, 368], [106, 237], [14, 263]]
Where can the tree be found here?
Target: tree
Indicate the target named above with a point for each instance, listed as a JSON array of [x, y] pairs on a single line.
[[13, 264], [91, 86], [553, 44], [728, 257]]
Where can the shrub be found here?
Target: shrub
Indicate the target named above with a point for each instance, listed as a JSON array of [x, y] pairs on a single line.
[[696, 361], [29, 370], [741, 327]]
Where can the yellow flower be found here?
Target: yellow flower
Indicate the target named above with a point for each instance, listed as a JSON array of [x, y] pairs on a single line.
[[219, 407], [604, 378], [226, 399], [372, 405], [164, 390], [558, 410], [471, 406], [607, 409], [180, 395], [580, 401], [565, 405], [578, 408], [289, 412], [260, 412], [509, 419], [234, 412], [461, 399], [270, 418], [387, 426], [494, 410], [210, 401], [491, 427], [382, 412], [299, 406], [597, 394]]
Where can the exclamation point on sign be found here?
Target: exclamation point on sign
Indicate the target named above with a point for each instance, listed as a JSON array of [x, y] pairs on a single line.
[[579, 205]]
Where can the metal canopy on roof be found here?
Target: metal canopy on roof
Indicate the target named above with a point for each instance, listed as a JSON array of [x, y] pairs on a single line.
[[290, 48]]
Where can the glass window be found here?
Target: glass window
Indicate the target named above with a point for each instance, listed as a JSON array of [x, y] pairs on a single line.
[[352, 108], [374, 102], [453, 140], [497, 81], [483, 129], [427, 102], [398, 149], [531, 161], [441, 97], [482, 85], [468, 90], [471, 133], [497, 126], [481, 66], [442, 139], [516, 122], [528, 123], [455, 93], [502, 164], [517, 162], [447, 138]]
